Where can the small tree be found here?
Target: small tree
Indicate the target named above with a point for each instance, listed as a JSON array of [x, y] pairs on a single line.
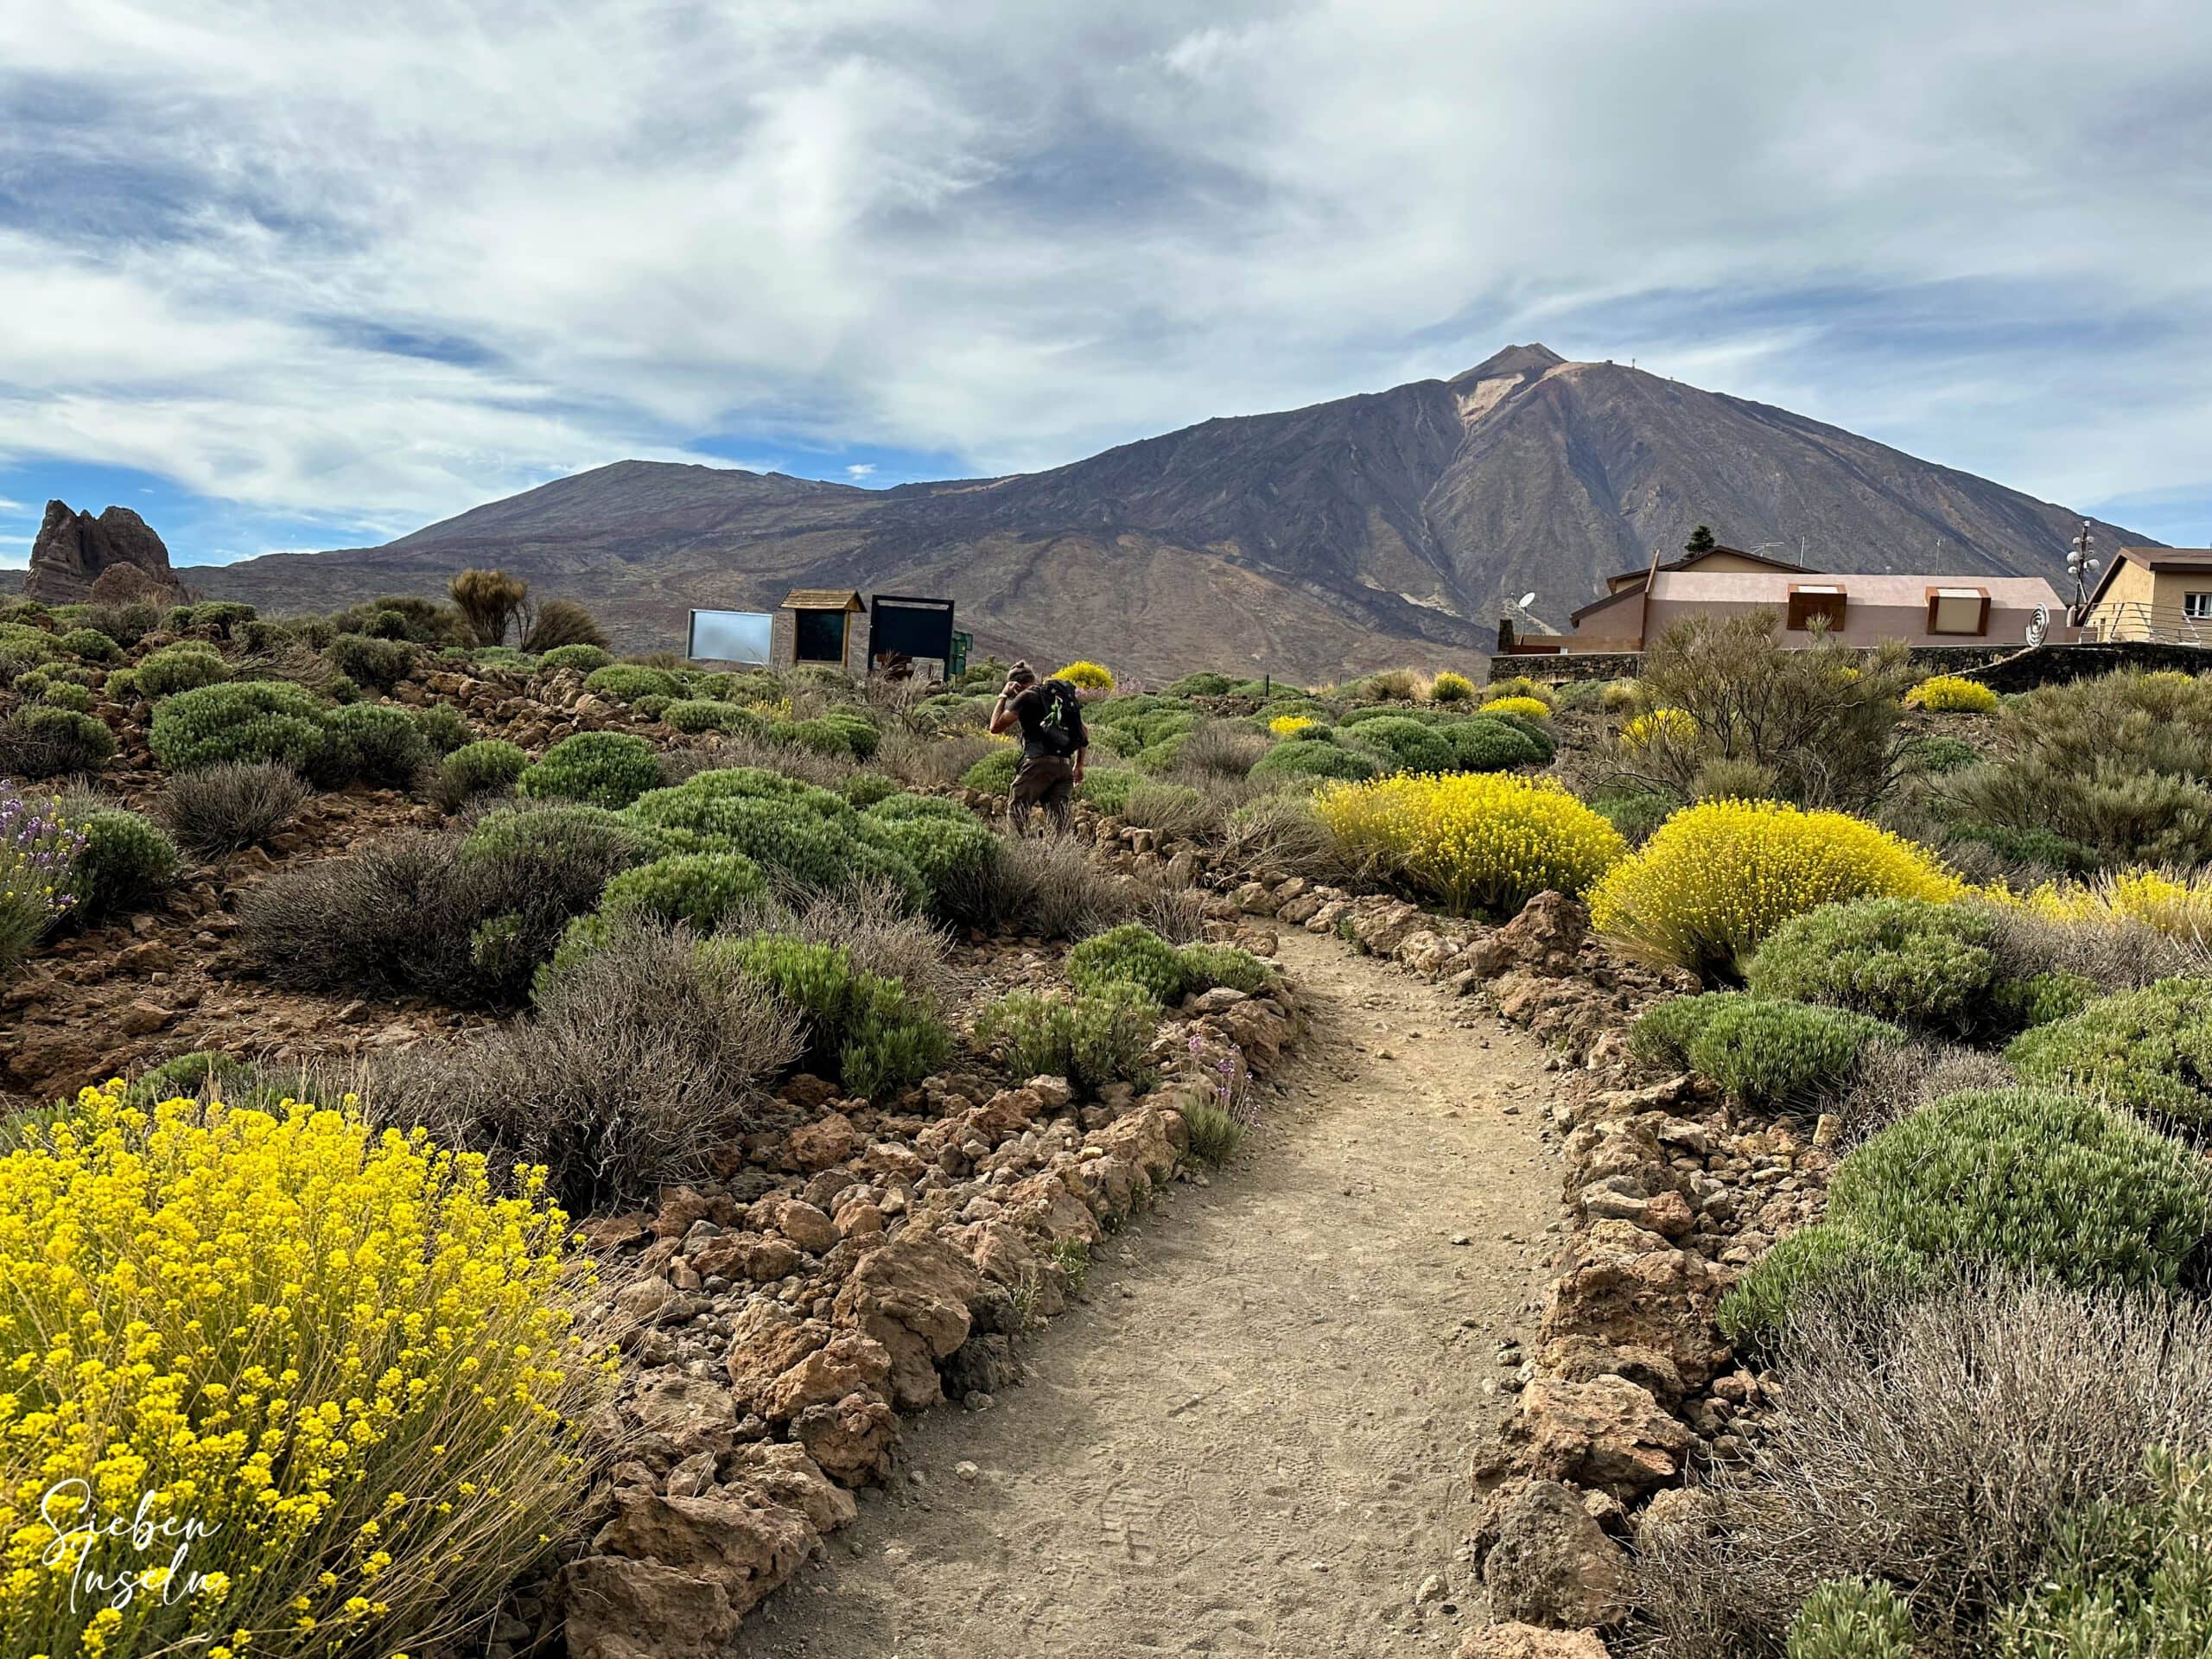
[[1700, 541], [490, 600], [1816, 725]]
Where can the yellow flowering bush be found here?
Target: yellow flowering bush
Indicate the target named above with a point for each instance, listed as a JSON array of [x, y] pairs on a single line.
[[1284, 725], [1717, 878], [2177, 906], [1471, 841], [333, 1370], [1087, 676], [1673, 724], [1947, 694], [1529, 707], [1448, 687]]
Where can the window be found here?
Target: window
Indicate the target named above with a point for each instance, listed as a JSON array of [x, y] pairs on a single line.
[[1815, 603], [2197, 607], [1958, 611], [819, 636]]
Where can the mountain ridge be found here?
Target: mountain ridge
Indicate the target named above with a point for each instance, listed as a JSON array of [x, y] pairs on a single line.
[[1380, 527]]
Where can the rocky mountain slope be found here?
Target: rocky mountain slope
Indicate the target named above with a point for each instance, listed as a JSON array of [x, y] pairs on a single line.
[[1380, 528]]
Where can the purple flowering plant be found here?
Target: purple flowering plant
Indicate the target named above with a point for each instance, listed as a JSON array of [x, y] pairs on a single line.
[[37, 850]]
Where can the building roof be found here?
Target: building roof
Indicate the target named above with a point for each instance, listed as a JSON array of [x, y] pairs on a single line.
[[1689, 560], [2153, 559], [1871, 588], [822, 599]]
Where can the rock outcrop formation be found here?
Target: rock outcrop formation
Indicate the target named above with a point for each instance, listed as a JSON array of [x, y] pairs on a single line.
[[74, 550]]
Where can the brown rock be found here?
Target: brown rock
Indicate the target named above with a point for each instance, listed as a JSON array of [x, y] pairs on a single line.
[[767, 1339], [1527, 1641], [912, 1295], [693, 1415], [741, 1540], [783, 1474], [829, 1139], [847, 1363], [1546, 1561], [852, 1438], [617, 1608], [1626, 1286], [1544, 940], [1607, 1432], [74, 550], [805, 1226], [746, 1256]]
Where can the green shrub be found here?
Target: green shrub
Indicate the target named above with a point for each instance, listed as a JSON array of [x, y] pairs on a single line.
[[1909, 961], [91, 644], [609, 769], [563, 835], [697, 888], [866, 1030], [2150, 1049], [1403, 745], [1200, 685], [64, 694], [1106, 788], [44, 741], [374, 742], [1314, 759], [1820, 1262], [945, 850], [1131, 954], [1205, 966], [1494, 743], [866, 788], [124, 861], [1768, 1054], [2039, 999], [695, 714], [1636, 814], [994, 774], [381, 663], [1851, 1619], [2023, 1177], [2127, 1580], [184, 667], [489, 766], [442, 728], [238, 721], [626, 683], [581, 659], [1938, 755], [1215, 1134], [1090, 1040]]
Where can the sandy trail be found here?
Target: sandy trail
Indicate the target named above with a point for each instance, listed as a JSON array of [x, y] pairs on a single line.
[[1250, 1437]]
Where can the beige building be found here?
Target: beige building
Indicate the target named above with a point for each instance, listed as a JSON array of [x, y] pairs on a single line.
[[2162, 594], [1861, 610]]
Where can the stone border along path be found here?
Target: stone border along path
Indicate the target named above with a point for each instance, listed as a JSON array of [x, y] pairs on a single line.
[[1251, 1436]]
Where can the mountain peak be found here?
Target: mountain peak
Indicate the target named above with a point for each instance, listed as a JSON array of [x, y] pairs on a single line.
[[1531, 359]]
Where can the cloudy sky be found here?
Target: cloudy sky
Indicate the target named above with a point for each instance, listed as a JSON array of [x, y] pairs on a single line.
[[300, 274]]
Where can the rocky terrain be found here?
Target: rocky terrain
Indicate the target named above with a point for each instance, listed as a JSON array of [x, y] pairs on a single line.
[[1321, 541]]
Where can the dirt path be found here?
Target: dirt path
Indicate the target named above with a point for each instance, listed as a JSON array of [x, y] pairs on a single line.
[[1251, 1437]]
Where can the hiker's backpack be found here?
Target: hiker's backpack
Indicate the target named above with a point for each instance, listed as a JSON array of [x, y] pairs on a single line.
[[1063, 718]]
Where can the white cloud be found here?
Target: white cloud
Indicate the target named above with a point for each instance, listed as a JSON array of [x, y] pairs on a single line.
[[379, 263], [859, 469]]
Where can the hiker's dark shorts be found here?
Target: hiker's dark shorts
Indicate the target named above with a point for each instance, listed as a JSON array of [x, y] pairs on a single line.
[[1045, 781]]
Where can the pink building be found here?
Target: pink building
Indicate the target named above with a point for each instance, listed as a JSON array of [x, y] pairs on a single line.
[[1857, 610]]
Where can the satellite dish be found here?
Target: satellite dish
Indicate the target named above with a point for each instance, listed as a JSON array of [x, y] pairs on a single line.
[[2039, 625], [1527, 599]]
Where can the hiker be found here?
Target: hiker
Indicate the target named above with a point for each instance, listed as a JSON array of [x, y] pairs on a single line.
[[1054, 742]]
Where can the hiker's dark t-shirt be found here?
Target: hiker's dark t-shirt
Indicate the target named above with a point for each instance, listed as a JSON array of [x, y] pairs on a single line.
[[1031, 708]]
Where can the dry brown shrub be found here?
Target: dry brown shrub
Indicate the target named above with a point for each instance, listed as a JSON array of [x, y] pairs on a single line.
[[562, 622], [227, 808], [638, 1060], [1938, 1445]]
